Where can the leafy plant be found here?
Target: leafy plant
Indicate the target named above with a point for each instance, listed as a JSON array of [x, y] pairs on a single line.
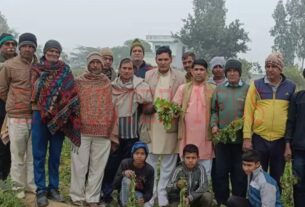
[[132, 199], [167, 111], [287, 182], [183, 193], [229, 133]]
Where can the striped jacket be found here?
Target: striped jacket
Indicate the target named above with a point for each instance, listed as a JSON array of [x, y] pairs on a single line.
[[197, 182], [263, 190], [266, 111]]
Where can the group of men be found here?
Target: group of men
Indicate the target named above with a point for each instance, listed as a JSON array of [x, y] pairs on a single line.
[[113, 112]]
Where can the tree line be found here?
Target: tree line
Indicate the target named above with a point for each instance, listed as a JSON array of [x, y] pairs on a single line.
[[206, 33]]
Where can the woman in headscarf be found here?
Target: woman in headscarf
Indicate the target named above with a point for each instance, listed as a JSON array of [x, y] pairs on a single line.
[[56, 114]]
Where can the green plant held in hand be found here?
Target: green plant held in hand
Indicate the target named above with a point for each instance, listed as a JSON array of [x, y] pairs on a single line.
[[183, 194], [287, 182], [167, 111], [229, 133], [132, 200]]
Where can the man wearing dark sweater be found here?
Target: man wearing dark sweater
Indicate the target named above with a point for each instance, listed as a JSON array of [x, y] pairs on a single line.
[[295, 143], [137, 52], [7, 51], [228, 105], [143, 172]]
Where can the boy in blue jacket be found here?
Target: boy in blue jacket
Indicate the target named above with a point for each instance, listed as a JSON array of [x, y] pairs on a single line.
[[262, 190]]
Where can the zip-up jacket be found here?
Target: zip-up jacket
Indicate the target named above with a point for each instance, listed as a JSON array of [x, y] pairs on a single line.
[[263, 190], [266, 111], [295, 133], [197, 182]]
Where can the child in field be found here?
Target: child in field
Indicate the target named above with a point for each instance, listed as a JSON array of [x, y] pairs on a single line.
[[143, 172], [262, 190], [194, 176]]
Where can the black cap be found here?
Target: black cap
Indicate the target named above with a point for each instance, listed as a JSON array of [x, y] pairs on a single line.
[[52, 44], [28, 39], [233, 64]]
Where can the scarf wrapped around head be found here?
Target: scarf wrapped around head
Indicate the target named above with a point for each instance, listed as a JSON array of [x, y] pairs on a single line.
[[55, 95]]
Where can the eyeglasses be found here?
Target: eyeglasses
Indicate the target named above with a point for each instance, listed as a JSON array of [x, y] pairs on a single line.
[[10, 43]]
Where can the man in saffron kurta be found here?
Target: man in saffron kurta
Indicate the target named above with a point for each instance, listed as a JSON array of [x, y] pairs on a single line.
[[164, 83], [195, 98]]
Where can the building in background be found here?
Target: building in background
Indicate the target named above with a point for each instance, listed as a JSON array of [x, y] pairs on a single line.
[[177, 47]]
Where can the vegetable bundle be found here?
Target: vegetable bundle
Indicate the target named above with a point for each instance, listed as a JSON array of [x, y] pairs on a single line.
[[167, 112], [132, 200], [229, 133], [287, 182]]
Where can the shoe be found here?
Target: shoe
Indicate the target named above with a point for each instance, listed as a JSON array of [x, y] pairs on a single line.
[[41, 199], [20, 195], [54, 195]]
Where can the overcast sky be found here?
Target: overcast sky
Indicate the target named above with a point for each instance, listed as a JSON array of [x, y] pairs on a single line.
[[101, 23]]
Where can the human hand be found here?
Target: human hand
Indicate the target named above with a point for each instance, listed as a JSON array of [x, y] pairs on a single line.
[[180, 184], [215, 130], [186, 201], [129, 173], [140, 201], [287, 153], [247, 144]]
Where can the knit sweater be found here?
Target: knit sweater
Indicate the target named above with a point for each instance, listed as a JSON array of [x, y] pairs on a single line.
[[228, 105]]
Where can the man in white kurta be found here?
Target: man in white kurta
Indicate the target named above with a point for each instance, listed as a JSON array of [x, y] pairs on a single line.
[[164, 82]]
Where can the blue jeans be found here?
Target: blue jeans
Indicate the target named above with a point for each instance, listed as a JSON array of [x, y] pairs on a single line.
[[40, 139], [124, 194], [298, 165]]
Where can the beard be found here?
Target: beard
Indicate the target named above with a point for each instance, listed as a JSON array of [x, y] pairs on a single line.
[[9, 53]]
